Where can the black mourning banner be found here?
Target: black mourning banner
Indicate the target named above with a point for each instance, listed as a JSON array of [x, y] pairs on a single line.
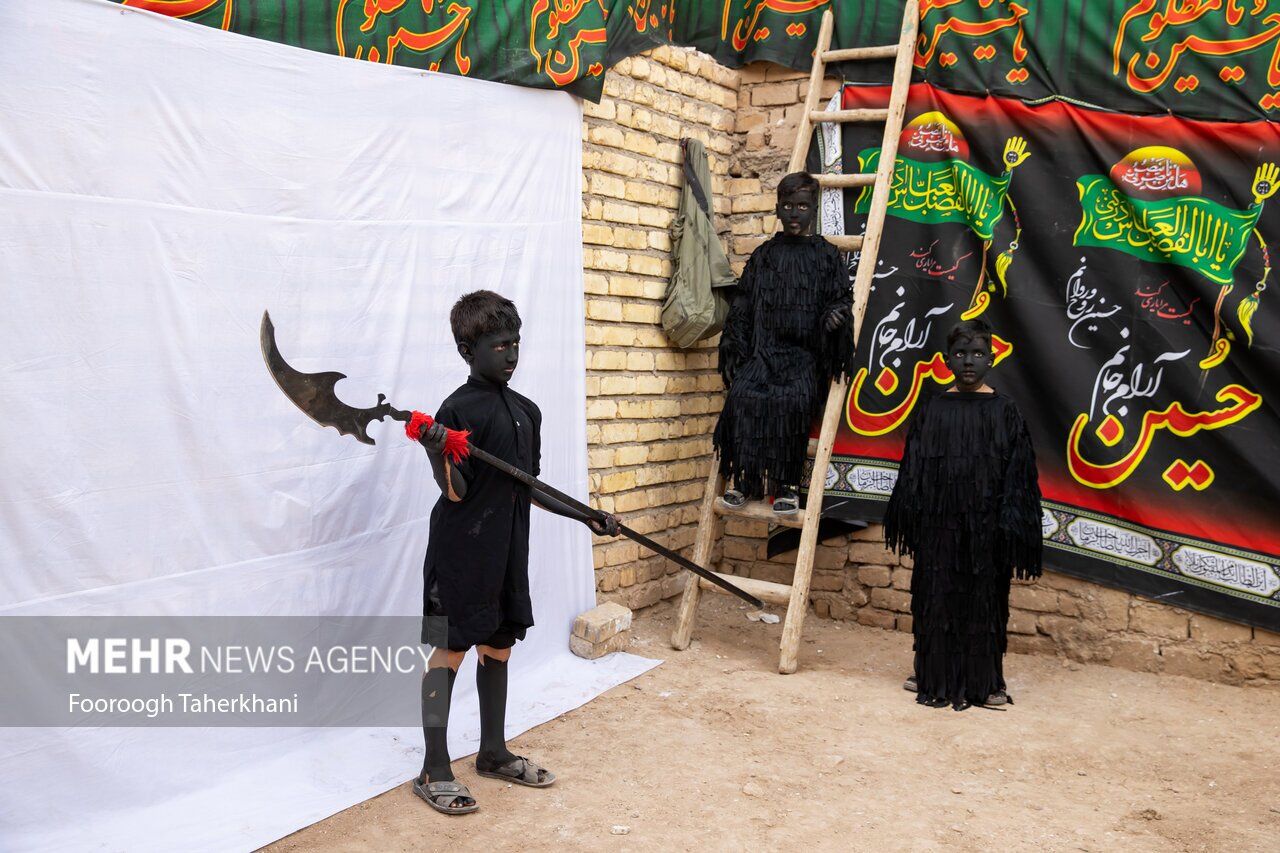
[[1124, 263]]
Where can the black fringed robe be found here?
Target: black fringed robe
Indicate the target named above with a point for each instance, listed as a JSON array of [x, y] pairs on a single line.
[[967, 508], [781, 360]]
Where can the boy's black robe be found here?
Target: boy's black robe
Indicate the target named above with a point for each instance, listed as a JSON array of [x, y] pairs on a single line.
[[781, 359], [967, 508], [478, 553]]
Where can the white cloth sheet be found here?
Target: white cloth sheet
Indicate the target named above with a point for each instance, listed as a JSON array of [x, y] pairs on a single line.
[[161, 184]]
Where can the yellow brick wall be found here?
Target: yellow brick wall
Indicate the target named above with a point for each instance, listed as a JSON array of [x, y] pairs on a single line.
[[651, 407]]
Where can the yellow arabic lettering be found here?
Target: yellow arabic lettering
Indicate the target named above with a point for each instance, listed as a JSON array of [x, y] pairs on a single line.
[[1241, 402], [1181, 230]]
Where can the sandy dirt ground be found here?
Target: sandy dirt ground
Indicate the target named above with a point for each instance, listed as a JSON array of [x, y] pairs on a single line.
[[715, 751]]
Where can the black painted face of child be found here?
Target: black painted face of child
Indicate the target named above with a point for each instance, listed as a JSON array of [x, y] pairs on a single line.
[[970, 359], [494, 356], [795, 211]]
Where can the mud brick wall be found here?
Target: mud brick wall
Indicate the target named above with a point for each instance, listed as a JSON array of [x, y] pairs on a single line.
[[651, 407]]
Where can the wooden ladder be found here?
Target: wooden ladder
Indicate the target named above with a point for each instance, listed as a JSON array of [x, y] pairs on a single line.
[[796, 594]]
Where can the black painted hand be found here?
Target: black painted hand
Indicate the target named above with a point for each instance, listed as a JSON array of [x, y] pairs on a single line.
[[835, 318], [606, 525], [433, 437]]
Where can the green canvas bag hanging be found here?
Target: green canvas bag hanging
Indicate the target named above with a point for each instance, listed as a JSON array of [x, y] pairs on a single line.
[[697, 300]]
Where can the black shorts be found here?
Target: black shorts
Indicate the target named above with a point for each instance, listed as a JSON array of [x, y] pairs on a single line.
[[435, 629]]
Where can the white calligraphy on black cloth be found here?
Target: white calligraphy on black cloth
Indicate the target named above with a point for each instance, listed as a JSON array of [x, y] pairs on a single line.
[[1122, 379], [889, 338], [1084, 305]]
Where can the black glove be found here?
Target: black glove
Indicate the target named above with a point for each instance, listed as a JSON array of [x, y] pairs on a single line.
[[835, 318], [606, 525], [433, 438]]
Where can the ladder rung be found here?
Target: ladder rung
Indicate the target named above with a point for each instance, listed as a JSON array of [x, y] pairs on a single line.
[[844, 116], [845, 242], [767, 591], [863, 179], [852, 54], [760, 511]]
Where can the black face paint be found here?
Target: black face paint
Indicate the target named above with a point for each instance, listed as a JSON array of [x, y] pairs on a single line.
[[970, 359], [796, 211], [494, 356]]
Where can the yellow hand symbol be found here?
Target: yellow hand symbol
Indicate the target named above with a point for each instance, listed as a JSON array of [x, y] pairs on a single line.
[[1015, 151], [1265, 182]]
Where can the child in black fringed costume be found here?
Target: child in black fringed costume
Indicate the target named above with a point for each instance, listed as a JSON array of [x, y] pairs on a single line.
[[967, 507], [786, 336]]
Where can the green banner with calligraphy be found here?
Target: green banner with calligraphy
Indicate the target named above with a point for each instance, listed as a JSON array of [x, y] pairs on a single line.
[[946, 191], [1191, 232], [548, 44], [1204, 59], [1211, 60]]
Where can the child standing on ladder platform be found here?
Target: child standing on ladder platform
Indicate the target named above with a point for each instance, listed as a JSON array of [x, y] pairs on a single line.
[[787, 335]]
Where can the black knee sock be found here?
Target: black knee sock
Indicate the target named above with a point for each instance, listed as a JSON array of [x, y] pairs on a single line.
[[437, 687], [491, 685]]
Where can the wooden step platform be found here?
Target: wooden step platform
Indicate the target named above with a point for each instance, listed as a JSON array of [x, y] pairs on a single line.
[[759, 511]]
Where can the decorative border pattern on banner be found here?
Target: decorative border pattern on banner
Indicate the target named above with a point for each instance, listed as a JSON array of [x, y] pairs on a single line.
[[1242, 574]]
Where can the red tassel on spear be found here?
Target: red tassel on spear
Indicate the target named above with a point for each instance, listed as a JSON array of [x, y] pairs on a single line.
[[313, 393], [457, 445]]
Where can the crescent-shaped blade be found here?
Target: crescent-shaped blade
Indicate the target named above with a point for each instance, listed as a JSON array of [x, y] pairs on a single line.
[[313, 392]]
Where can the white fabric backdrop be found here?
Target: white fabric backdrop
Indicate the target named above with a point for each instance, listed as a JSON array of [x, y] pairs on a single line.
[[161, 184]]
